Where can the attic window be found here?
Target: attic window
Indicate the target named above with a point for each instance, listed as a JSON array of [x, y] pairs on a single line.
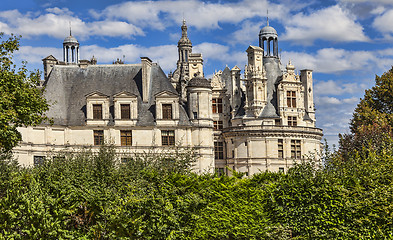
[[166, 111], [97, 111], [125, 111]]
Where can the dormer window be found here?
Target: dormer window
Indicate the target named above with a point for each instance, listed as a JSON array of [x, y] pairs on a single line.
[[125, 108], [167, 108], [125, 111], [97, 111], [166, 111]]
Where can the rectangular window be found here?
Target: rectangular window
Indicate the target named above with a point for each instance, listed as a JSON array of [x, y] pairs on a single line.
[[295, 149], [280, 148], [166, 111], [97, 111], [218, 150], [38, 160], [291, 99], [98, 137], [281, 170], [277, 122], [125, 111], [126, 137], [292, 121], [168, 137], [217, 105], [217, 125]]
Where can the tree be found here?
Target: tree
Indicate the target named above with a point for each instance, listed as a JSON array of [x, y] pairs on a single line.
[[372, 122], [21, 102]]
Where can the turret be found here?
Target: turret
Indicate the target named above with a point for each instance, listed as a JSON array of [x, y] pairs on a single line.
[[199, 97], [71, 50]]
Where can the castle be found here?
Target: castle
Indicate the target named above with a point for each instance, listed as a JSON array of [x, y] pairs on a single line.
[[265, 121]]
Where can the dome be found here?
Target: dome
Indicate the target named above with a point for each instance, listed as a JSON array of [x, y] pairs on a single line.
[[268, 31], [70, 39], [199, 82], [184, 41]]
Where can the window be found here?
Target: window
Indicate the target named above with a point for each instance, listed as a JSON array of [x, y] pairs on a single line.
[[218, 150], [217, 105], [292, 121], [195, 115], [280, 148], [281, 170], [97, 111], [217, 125], [291, 99], [98, 137], [295, 149], [38, 160], [277, 122], [126, 137], [168, 137], [125, 111], [166, 111]]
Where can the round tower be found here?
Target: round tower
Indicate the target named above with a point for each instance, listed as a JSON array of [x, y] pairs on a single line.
[[199, 96], [71, 50]]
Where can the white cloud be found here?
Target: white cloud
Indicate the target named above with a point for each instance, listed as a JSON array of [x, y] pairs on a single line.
[[332, 23], [215, 51], [332, 60], [331, 87], [55, 23], [383, 22], [199, 14]]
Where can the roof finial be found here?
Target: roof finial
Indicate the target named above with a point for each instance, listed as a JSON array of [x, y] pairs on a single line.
[[267, 17], [70, 27]]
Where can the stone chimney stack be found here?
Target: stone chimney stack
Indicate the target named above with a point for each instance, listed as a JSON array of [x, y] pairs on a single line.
[[146, 75], [48, 62]]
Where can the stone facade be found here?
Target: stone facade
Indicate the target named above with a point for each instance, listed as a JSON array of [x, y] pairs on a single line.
[[264, 121]]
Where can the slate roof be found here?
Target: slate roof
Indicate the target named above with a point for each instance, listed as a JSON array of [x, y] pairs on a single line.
[[68, 85]]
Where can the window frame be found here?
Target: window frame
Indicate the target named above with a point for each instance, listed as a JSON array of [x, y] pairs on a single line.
[[126, 135], [166, 138], [218, 150], [98, 136], [218, 125], [167, 113], [123, 112], [280, 148], [292, 121], [291, 99], [217, 105], [296, 149], [97, 113]]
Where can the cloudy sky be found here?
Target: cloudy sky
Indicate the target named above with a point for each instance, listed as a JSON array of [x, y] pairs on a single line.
[[345, 42]]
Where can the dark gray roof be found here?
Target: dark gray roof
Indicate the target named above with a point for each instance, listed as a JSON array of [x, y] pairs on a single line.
[[199, 81], [68, 85], [273, 74]]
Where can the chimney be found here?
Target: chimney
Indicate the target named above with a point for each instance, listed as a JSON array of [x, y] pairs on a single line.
[[146, 75], [48, 62]]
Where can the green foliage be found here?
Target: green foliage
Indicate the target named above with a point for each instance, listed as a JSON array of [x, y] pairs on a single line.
[[93, 195], [21, 102]]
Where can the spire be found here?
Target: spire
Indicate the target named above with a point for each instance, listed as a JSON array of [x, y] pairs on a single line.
[[184, 38], [70, 28], [184, 29], [267, 17]]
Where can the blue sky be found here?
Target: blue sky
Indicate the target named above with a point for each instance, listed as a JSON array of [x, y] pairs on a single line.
[[345, 42]]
